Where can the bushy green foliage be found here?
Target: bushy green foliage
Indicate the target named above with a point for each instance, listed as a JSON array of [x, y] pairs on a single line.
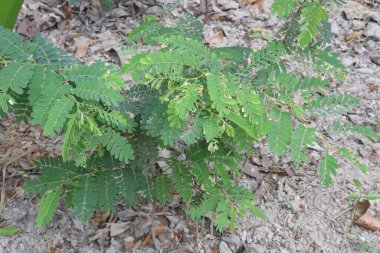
[[205, 106]]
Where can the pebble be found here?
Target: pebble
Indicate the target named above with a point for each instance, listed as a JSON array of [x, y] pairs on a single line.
[[356, 119], [373, 31], [358, 25], [233, 240], [375, 59], [223, 248], [348, 61], [366, 71], [335, 28], [255, 248], [243, 235]]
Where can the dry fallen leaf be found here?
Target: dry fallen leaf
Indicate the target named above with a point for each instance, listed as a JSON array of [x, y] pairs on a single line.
[[287, 171], [353, 36], [118, 228], [157, 231], [369, 2], [217, 38], [99, 233], [258, 4], [102, 218], [369, 222], [363, 218], [82, 49], [258, 30], [373, 87], [129, 243], [251, 170]]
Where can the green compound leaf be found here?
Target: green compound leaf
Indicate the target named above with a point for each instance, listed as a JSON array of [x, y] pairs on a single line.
[[15, 76], [221, 218], [302, 137], [163, 188], [183, 181], [48, 206], [218, 91], [87, 90], [327, 169], [107, 194], [280, 131], [116, 144], [193, 130], [85, 197], [51, 93], [312, 14], [283, 8], [211, 128], [244, 124], [58, 115], [352, 158]]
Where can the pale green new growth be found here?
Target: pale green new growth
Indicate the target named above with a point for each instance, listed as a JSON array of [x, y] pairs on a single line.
[[327, 169]]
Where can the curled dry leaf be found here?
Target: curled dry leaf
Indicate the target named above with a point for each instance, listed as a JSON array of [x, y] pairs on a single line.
[[363, 218]]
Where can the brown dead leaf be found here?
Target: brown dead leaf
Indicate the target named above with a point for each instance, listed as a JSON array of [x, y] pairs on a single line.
[[82, 49], [27, 27], [66, 9], [147, 239], [373, 87], [214, 248], [258, 30], [369, 222], [266, 185], [257, 4], [217, 17], [99, 233], [217, 38], [157, 231], [281, 171], [25, 165], [129, 243], [364, 219], [251, 170], [118, 228], [353, 36], [369, 2], [101, 219], [362, 207]]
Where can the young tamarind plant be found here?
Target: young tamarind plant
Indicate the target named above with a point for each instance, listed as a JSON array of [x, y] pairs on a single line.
[[206, 106]]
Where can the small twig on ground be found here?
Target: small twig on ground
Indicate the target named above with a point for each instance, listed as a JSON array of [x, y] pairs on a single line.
[[343, 212], [2, 197], [2, 200]]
